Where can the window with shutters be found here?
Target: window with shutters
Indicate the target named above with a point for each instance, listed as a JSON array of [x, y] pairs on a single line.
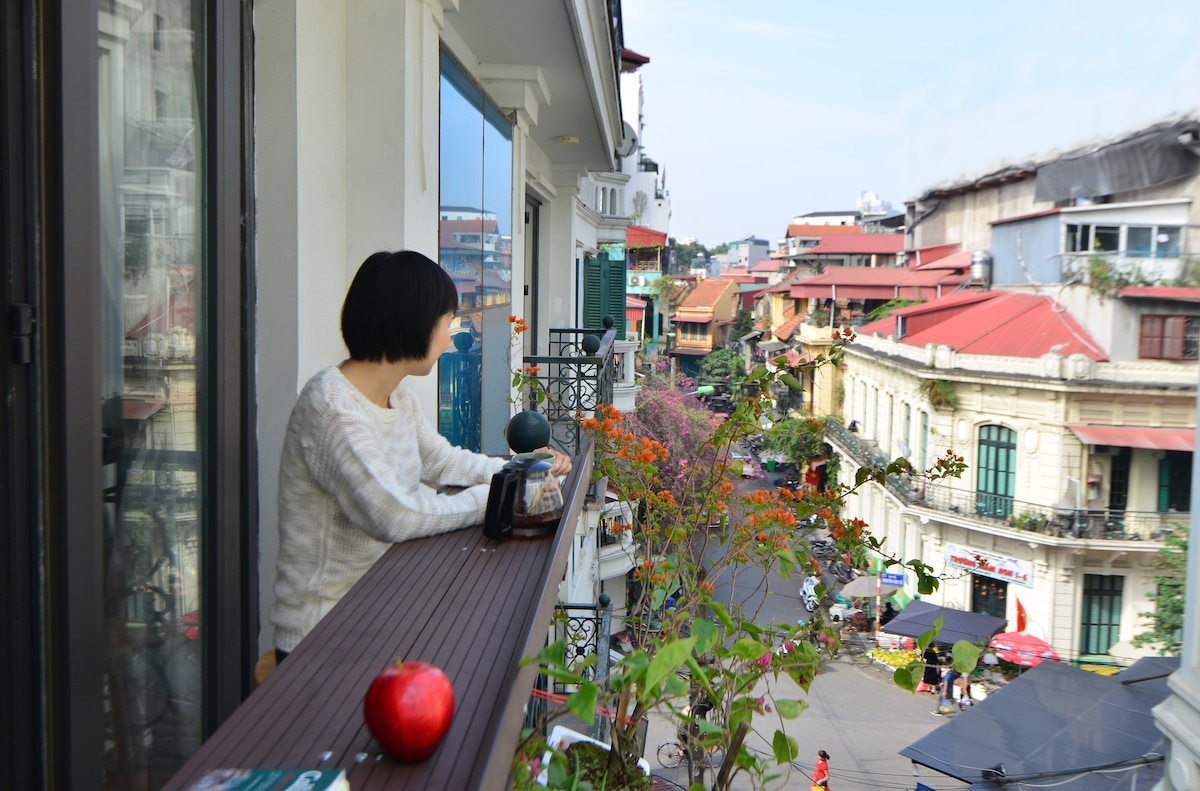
[[1169, 337], [603, 292]]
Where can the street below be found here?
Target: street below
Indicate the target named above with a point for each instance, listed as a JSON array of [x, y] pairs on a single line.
[[855, 712]]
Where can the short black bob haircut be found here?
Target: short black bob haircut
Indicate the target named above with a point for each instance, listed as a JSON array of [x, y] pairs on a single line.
[[393, 306]]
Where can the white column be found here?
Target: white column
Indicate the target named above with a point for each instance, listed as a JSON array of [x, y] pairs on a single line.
[[1178, 717]]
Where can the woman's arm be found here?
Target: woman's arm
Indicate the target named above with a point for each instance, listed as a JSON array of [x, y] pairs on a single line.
[[379, 492]]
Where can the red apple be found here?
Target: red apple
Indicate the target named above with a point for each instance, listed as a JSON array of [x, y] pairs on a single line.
[[408, 709]]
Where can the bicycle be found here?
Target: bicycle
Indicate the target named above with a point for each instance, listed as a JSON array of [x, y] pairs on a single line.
[[672, 753]]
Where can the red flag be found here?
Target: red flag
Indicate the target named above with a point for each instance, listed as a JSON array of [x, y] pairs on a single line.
[[1020, 616]]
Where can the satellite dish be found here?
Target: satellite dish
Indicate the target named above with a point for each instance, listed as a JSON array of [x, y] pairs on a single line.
[[628, 142]]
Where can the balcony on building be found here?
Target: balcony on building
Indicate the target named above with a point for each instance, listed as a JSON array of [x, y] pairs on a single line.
[[470, 605], [1060, 522]]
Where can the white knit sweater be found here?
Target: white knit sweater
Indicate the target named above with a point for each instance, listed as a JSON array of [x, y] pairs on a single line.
[[350, 486]]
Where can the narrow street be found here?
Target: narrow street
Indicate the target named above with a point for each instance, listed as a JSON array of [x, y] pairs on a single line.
[[855, 712]]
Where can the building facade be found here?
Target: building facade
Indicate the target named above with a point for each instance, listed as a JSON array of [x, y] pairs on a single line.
[[182, 215]]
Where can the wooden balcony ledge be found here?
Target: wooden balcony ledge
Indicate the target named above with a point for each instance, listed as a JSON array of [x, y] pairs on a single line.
[[472, 606]]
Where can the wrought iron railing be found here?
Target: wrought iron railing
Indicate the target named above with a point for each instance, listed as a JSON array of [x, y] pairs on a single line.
[[1000, 510], [585, 627], [575, 381]]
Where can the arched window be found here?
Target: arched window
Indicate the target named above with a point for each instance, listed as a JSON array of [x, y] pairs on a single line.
[[612, 201], [996, 471]]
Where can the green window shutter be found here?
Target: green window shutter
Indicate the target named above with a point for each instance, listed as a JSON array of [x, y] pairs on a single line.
[[603, 292]]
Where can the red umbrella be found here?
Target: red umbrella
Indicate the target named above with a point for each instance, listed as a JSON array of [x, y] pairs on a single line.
[[1022, 648]]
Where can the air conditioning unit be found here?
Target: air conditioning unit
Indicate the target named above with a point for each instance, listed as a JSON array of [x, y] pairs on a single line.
[[636, 280]]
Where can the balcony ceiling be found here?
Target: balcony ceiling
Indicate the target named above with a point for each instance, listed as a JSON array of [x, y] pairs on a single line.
[[575, 55]]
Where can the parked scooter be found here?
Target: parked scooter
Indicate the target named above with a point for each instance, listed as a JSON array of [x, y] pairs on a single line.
[[808, 593], [824, 550], [843, 572]]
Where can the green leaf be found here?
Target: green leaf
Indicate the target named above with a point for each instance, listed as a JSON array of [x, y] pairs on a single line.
[[746, 648], [790, 709], [928, 636], [787, 561], [560, 674], [634, 666], [966, 656], [705, 632], [721, 613], [792, 382], [785, 748], [668, 659], [582, 702], [553, 654], [676, 687], [909, 676], [556, 773]]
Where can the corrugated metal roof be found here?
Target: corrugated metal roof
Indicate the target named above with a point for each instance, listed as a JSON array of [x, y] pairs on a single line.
[[1000, 323], [1137, 437], [869, 243], [886, 282], [806, 231], [1177, 293], [639, 236]]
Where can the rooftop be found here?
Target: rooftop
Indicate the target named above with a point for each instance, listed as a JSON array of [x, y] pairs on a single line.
[[870, 243], [1005, 323]]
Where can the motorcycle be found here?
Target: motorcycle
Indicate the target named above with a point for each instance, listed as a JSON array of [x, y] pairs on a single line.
[[823, 550], [808, 593], [843, 572]]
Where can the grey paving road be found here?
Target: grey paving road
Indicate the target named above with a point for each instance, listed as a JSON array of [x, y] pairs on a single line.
[[855, 713]]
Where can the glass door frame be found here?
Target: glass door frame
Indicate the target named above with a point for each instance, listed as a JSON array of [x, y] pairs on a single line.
[[70, 679], [20, 461]]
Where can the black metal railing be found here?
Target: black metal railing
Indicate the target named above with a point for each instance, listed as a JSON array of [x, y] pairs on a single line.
[[575, 381], [1001, 510], [867, 453]]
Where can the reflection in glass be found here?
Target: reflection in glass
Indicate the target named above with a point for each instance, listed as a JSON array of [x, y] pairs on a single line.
[[475, 245], [151, 95]]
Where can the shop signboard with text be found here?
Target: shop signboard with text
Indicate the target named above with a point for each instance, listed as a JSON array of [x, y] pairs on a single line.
[[990, 564]]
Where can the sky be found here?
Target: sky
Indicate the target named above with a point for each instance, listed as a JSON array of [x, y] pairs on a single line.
[[759, 111]]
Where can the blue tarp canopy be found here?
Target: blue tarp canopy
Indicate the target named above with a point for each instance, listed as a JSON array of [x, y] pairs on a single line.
[[1059, 723]]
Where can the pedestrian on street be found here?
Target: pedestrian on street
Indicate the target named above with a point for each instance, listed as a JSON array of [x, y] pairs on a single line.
[[933, 676], [820, 777]]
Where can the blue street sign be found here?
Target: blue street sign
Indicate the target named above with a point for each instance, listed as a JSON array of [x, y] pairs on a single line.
[[892, 578]]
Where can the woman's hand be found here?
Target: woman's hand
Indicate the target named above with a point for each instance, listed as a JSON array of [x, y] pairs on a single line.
[[560, 464]]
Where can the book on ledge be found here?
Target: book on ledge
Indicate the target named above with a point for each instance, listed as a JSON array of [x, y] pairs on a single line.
[[273, 780]]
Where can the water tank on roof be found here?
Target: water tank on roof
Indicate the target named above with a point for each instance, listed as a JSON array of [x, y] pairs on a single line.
[[981, 268]]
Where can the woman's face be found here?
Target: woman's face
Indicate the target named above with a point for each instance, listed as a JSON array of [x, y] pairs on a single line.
[[439, 342]]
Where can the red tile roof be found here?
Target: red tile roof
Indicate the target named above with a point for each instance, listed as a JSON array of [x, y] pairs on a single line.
[[705, 294], [1000, 323], [821, 231], [878, 243], [639, 236], [784, 331], [769, 265]]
